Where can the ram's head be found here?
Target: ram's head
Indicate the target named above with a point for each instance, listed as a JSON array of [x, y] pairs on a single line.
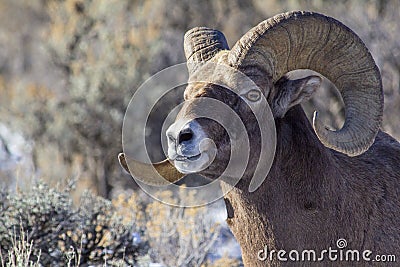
[[255, 67]]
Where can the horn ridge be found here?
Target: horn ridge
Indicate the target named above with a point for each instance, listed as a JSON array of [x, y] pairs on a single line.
[[307, 40]]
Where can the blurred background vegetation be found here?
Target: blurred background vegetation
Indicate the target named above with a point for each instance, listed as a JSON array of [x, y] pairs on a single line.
[[69, 68]]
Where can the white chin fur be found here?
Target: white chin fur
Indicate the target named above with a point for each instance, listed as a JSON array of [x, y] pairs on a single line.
[[189, 166], [193, 166]]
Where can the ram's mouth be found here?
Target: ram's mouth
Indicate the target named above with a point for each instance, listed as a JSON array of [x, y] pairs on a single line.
[[194, 163], [190, 158]]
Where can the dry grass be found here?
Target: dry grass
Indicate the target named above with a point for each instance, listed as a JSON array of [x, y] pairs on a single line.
[[20, 255]]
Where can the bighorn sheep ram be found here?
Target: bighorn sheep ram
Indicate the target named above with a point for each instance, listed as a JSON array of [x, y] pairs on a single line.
[[323, 184]]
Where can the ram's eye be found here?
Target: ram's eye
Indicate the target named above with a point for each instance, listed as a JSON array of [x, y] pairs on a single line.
[[253, 95]]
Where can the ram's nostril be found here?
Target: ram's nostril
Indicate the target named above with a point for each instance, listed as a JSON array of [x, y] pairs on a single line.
[[185, 135]]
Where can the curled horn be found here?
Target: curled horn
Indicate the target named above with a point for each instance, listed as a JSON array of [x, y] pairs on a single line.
[[305, 40], [149, 173], [201, 44]]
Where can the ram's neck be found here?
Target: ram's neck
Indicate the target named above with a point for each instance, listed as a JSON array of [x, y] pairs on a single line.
[[282, 213]]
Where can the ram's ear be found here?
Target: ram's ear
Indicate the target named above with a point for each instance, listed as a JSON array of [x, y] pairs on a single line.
[[288, 93]]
